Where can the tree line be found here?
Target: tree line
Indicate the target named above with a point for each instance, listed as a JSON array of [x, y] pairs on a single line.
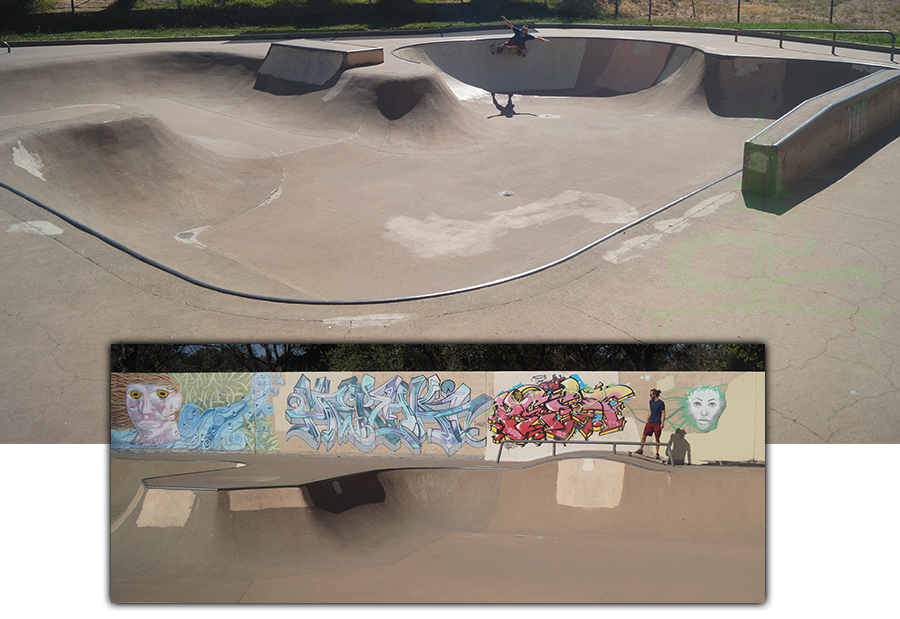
[[436, 357]]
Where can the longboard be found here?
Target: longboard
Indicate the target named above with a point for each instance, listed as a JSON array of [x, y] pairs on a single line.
[[500, 49]]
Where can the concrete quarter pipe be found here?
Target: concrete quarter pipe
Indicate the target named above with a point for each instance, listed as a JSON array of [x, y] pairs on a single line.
[[575, 530]]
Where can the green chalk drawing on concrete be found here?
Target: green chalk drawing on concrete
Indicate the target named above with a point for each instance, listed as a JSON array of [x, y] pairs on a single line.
[[763, 284]]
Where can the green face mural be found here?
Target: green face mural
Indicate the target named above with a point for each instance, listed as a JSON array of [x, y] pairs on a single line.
[[704, 406], [693, 409]]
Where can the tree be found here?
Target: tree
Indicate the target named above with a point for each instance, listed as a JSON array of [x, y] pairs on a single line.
[[437, 357]]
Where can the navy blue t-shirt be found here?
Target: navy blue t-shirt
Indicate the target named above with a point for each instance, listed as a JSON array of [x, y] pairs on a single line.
[[656, 411], [519, 37]]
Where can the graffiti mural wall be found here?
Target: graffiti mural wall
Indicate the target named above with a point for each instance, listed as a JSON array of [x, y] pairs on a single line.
[[457, 414], [721, 414], [202, 412], [365, 413], [559, 407]]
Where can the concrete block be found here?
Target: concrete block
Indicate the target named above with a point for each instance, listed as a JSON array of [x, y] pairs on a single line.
[[316, 62], [818, 130]]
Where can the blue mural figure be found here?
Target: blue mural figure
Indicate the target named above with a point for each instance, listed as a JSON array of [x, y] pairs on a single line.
[[165, 421]]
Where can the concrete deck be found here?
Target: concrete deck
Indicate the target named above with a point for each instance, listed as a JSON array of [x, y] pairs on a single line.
[[182, 153]]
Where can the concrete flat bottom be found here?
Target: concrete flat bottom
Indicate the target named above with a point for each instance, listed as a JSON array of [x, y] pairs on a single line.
[[509, 569], [563, 530]]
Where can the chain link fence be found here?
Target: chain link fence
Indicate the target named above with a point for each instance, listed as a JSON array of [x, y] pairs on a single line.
[[850, 14]]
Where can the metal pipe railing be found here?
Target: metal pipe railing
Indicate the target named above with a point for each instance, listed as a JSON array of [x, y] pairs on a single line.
[[833, 34], [584, 442], [8, 48]]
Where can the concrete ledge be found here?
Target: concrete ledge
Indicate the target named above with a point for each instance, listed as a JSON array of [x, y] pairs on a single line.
[[316, 62], [818, 130]]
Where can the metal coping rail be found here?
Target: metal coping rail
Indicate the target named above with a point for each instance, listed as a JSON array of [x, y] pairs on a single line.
[[833, 34], [246, 295], [584, 442]]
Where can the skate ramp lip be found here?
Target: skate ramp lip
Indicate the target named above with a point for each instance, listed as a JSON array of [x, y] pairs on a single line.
[[728, 86], [218, 471], [566, 65], [445, 488]]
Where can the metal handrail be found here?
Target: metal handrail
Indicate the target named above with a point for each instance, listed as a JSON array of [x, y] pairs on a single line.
[[8, 48], [584, 442], [834, 34]]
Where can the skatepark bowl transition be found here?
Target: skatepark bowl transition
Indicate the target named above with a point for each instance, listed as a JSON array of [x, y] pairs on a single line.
[[338, 189], [590, 529]]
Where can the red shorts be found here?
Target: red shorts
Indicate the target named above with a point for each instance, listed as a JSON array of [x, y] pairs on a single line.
[[654, 429], [514, 43]]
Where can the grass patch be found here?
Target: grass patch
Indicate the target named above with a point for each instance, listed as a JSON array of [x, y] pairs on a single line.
[[589, 12], [207, 31], [175, 33]]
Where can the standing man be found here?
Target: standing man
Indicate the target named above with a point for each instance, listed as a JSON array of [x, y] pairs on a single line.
[[655, 422]]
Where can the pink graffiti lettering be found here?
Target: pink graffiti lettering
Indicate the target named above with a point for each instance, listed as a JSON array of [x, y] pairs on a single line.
[[557, 409]]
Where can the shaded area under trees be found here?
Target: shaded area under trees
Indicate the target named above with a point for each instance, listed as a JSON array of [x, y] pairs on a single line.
[[436, 357]]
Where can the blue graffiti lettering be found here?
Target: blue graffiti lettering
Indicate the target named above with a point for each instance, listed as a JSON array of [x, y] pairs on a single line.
[[394, 414]]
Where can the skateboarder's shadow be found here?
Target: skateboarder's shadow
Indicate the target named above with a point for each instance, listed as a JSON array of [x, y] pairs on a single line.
[[508, 109]]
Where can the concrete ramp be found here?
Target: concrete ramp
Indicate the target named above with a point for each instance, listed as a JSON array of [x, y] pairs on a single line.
[[727, 86], [771, 87], [570, 65], [316, 62], [599, 527], [119, 168]]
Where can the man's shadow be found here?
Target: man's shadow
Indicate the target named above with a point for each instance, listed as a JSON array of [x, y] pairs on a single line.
[[679, 448], [507, 110]]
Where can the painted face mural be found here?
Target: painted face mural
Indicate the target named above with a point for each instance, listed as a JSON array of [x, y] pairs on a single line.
[[704, 406], [558, 408], [153, 409], [212, 411]]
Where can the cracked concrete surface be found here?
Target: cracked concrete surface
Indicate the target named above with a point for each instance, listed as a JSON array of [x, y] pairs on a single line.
[[814, 277]]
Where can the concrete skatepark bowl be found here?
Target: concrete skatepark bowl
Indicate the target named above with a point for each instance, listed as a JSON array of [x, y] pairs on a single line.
[[349, 530], [381, 170], [258, 189]]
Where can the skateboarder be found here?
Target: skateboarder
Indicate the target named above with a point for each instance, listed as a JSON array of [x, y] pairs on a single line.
[[654, 422], [520, 36]]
